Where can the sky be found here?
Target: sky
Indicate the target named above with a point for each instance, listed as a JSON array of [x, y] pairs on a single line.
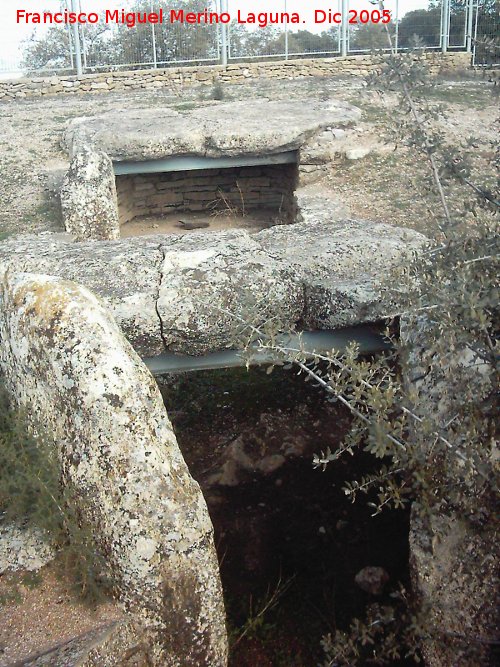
[[12, 34]]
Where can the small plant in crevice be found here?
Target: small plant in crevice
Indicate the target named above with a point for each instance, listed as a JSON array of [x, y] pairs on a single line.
[[389, 634], [225, 206], [217, 93], [267, 635], [31, 494], [256, 623]]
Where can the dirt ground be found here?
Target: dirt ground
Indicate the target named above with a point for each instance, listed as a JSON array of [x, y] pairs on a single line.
[[182, 223], [41, 610], [386, 186]]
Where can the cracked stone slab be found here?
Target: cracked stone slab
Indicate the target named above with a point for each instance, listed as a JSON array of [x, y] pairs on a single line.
[[345, 266], [193, 293], [225, 129], [211, 286], [124, 273]]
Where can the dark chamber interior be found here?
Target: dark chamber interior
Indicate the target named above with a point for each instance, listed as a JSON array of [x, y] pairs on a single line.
[[280, 525]]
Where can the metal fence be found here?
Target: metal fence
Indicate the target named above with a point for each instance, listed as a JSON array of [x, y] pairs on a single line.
[[467, 25]]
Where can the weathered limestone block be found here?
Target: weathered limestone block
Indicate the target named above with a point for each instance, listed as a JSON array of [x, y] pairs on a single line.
[[125, 274], [65, 360], [88, 197], [455, 578], [229, 129], [452, 546], [344, 266], [319, 149], [195, 293], [212, 288]]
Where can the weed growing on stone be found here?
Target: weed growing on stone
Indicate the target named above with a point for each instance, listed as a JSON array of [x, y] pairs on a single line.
[[256, 624], [31, 494], [224, 206], [217, 92]]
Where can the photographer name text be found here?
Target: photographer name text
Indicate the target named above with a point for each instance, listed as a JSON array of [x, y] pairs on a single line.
[[206, 17]]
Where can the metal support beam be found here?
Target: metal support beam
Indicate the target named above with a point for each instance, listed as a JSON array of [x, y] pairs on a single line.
[[76, 42], [368, 340], [190, 163]]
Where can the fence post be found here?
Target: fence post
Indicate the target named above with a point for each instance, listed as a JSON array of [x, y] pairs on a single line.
[[76, 40], [224, 42], [470, 23], [286, 34], [445, 25], [344, 27], [396, 28], [153, 39]]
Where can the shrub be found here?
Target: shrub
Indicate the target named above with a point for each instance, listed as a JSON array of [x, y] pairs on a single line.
[[31, 493]]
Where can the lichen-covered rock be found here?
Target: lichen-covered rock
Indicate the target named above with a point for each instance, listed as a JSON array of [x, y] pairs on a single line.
[[455, 578], [125, 274], [453, 542], [343, 265], [213, 287], [88, 197], [23, 548], [65, 360]]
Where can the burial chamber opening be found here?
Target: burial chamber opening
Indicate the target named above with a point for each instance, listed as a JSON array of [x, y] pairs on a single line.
[[189, 192], [290, 542]]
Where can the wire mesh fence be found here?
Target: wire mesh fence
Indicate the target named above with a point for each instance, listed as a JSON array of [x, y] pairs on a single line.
[[291, 29], [486, 34], [112, 43]]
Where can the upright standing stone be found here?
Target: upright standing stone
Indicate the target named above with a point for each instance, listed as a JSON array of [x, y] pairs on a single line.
[[88, 197], [64, 360]]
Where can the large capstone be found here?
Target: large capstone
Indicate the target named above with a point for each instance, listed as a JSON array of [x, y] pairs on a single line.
[[200, 292]]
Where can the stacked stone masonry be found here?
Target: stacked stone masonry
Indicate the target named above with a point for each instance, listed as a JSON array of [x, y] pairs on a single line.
[[209, 74], [212, 190]]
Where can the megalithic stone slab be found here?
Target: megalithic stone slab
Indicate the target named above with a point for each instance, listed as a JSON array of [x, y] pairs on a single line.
[[64, 359]]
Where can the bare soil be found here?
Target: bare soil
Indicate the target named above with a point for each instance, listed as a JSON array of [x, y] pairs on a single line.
[[42, 611], [183, 223]]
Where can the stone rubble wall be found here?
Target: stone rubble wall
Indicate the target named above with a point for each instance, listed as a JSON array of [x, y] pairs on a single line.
[[66, 362], [211, 190], [175, 77]]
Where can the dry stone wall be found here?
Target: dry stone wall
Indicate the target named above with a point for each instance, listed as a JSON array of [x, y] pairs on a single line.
[[152, 79], [307, 127], [242, 188]]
